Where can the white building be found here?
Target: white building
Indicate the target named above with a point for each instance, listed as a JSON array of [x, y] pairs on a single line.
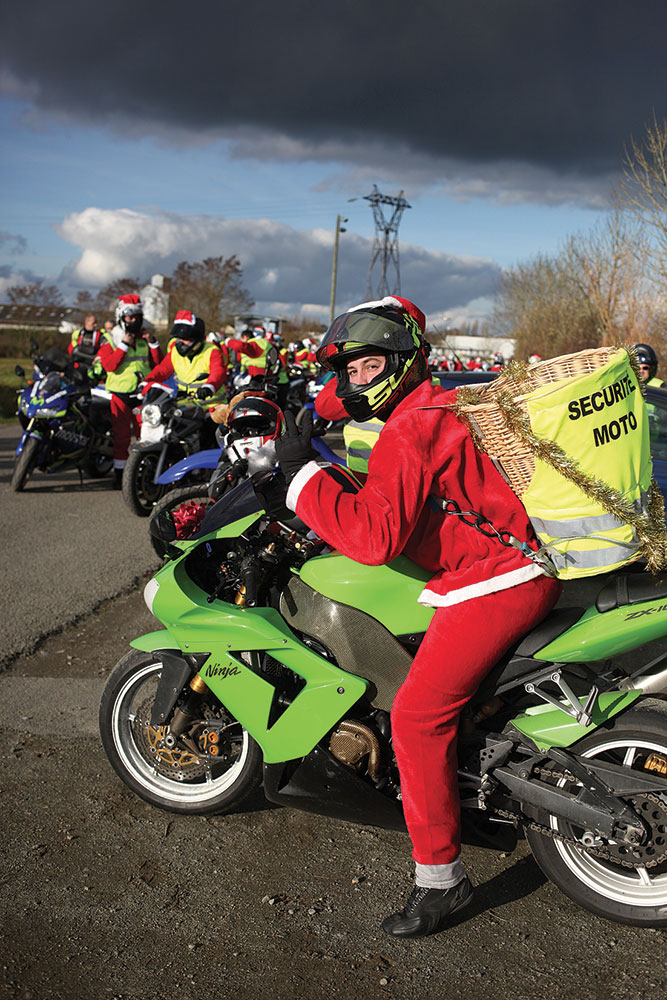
[[155, 300]]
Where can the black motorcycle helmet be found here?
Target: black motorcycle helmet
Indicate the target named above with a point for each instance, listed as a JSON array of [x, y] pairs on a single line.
[[647, 356], [256, 416], [189, 332], [386, 328]]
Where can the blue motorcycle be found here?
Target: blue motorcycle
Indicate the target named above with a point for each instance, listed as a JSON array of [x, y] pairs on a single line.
[[65, 421]]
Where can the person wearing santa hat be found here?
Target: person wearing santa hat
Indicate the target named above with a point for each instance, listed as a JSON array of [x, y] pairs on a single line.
[[127, 355], [199, 366], [423, 469]]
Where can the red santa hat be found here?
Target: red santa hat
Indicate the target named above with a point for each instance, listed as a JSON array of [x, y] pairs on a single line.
[[394, 302], [185, 316]]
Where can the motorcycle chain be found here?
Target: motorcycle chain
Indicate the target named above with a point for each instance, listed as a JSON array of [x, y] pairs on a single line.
[[598, 852]]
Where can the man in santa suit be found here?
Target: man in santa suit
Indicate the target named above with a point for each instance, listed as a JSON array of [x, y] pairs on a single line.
[[127, 355], [486, 594]]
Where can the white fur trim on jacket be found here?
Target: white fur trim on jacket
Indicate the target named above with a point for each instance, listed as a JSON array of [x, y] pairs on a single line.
[[304, 475], [481, 589]]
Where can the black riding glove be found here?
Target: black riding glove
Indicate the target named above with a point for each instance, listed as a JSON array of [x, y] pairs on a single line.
[[293, 449], [205, 392]]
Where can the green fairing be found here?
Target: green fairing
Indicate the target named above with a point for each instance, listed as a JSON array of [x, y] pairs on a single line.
[[600, 636], [225, 631], [548, 727], [388, 593]]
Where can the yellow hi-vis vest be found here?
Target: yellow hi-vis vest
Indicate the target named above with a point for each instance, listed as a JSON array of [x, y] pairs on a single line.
[[600, 421], [135, 365], [359, 439], [188, 372]]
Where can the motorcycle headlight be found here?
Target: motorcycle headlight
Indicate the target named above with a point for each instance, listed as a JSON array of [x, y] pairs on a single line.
[[151, 415], [23, 405]]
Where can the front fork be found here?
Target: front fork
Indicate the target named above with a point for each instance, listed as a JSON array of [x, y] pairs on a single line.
[[28, 432]]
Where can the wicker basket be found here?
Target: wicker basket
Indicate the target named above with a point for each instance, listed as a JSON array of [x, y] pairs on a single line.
[[513, 456]]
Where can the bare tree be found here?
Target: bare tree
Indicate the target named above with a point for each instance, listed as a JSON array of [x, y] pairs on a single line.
[[643, 192], [211, 288], [35, 293], [544, 309], [607, 267], [107, 297]]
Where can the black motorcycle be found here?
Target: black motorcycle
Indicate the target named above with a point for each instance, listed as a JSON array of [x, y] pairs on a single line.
[[173, 426]]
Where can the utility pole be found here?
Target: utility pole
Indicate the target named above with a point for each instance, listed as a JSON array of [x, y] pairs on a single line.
[[334, 270], [385, 244]]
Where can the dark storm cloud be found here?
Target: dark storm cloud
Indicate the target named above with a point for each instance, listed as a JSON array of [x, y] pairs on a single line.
[[555, 83]]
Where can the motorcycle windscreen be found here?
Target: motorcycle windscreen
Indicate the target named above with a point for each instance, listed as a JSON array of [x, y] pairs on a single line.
[[239, 502]]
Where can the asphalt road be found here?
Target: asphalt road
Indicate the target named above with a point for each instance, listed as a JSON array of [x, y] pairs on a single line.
[[66, 546], [102, 896]]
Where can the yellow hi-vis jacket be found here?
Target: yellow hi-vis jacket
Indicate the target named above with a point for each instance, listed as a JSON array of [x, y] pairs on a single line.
[[600, 421], [188, 374], [133, 368], [359, 439]]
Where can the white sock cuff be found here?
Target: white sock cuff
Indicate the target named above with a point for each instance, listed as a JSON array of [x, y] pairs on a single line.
[[439, 876]]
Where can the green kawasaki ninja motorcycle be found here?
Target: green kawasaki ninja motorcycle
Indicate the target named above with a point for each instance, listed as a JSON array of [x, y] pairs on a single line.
[[279, 660]]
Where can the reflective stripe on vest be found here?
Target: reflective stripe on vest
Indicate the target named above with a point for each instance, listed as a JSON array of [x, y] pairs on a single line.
[[188, 372], [131, 370], [577, 560], [359, 441], [592, 525]]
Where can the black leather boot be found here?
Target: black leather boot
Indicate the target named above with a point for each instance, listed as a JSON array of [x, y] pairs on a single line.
[[118, 479], [427, 910]]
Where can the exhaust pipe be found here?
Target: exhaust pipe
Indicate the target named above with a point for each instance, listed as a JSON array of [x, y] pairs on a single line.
[[648, 683]]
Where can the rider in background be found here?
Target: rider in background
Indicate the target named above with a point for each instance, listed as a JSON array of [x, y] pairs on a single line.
[[252, 348], [83, 347], [198, 366], [127, 355], [648, 366], [486, 594]]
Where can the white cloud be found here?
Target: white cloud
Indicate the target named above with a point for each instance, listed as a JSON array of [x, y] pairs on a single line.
[[283, 267]]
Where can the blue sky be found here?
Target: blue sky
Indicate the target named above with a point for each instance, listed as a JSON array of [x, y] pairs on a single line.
[[108, 172]]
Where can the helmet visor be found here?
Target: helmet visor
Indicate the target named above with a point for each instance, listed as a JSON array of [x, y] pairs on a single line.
[[357, 330]]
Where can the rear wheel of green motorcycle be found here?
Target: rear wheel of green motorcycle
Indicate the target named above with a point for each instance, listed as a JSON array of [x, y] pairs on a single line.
[[173, 777], [24, 464], [629, 885]]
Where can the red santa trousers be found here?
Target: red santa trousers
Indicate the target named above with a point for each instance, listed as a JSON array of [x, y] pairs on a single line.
[[123, 421], [462, 644]]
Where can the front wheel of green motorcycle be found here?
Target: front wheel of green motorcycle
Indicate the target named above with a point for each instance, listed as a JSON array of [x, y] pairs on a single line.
[[212, 768], [613, 879]]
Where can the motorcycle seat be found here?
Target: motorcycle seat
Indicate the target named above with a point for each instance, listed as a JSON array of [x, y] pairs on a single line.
[[630, 589], [553, 625]]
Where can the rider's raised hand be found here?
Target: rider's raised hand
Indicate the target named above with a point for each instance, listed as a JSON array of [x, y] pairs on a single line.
[[293, 449]]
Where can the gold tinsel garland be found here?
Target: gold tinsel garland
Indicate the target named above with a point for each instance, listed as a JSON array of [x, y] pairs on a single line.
[[649, 526]]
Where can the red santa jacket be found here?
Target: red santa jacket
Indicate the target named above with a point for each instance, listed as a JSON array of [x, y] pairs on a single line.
[[423, 450], [328, 405]]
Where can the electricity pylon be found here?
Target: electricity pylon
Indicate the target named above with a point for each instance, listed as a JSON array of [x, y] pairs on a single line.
[[385, 244]]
